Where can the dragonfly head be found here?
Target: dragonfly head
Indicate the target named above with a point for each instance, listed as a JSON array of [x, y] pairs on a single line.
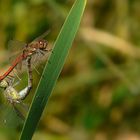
[[43, 44]]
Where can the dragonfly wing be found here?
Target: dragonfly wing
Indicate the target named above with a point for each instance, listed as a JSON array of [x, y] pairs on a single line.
[[18, 67], [43, 35], [16, 46], [37, 60], [21, 65], [9, 117], [24, 106], [18, 112]]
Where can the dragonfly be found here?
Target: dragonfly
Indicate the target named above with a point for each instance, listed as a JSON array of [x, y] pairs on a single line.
[[12, 95], [37, 46]]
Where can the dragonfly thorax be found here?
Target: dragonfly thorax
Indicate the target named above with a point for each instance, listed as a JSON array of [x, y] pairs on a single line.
[[11, 95], [39, 44], [36, 46]]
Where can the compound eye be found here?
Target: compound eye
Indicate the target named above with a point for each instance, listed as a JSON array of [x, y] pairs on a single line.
[[40, 42]]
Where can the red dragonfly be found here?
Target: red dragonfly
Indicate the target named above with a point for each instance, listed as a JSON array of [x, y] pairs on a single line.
[[39, 45], [15, 98]]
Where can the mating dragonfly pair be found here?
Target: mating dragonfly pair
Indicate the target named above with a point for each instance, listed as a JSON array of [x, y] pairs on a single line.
[[39, 46]]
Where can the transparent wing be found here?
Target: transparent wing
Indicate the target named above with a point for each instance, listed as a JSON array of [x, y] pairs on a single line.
[[37, 60], [9, 117], [16, 46], [43, 35], [12, 116], [18, 67]]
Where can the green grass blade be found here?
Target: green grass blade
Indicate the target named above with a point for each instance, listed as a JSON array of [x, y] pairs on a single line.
[[53, 68]]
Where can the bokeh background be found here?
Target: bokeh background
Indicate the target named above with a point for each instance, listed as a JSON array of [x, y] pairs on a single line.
[[97, 96]]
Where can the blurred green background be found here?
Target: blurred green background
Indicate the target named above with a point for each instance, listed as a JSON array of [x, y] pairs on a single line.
[[97, 96]]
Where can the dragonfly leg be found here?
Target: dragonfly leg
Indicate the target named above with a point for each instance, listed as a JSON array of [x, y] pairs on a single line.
[[10, 80], [15, 73], [14, 84], [43, 52]]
